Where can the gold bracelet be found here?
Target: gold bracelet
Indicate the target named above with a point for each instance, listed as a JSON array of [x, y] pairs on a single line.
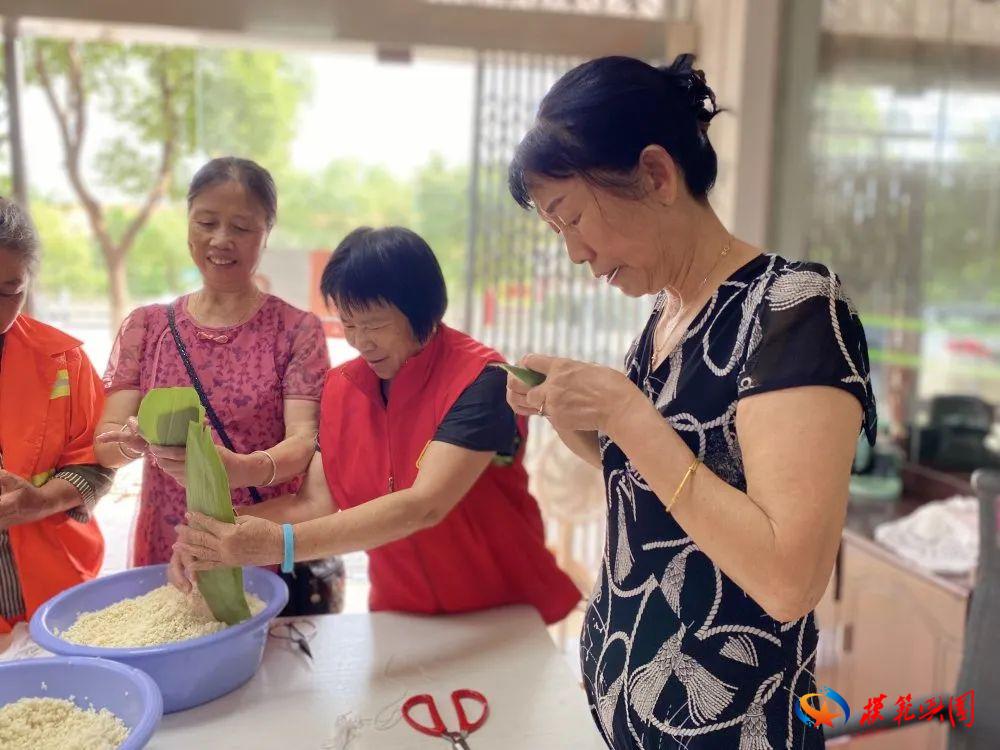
[[680, 488], [274, 469]]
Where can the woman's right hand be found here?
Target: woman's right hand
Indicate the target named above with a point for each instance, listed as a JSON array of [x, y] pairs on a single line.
[[127, 438], [177, 572], [577, 396]]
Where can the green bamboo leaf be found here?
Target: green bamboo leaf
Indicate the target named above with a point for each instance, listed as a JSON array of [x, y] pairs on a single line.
[[208, 493], [165, 413], [526, 376]]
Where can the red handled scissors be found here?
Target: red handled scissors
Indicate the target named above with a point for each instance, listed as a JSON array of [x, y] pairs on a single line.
[[437, 728]]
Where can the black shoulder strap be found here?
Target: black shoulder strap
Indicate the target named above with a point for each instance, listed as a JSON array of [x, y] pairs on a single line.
[[196, 382]]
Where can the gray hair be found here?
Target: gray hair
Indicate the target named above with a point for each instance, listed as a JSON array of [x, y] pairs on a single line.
[[252, 176], [17, 233]]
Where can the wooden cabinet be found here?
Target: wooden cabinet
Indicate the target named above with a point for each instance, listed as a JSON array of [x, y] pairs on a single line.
[[886, 627]]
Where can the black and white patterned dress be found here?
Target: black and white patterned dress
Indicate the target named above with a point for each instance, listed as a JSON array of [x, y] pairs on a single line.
[[674, 653]]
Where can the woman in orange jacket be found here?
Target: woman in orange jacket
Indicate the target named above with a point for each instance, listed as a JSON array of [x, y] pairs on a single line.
[[50, 399]]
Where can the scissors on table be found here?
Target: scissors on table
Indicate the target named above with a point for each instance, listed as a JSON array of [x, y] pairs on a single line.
[[299, 637], [438, 728]]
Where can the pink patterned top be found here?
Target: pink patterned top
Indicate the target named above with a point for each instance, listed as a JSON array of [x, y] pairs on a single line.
[[247, 370]]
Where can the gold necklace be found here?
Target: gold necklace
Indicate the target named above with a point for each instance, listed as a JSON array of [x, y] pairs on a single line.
[[242, 312], [657, 349]]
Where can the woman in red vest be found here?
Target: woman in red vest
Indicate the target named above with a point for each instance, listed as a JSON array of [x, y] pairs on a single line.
[[418, 450], [50, 399]]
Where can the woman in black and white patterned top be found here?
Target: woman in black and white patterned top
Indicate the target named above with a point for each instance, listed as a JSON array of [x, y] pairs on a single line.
[[726, 445]]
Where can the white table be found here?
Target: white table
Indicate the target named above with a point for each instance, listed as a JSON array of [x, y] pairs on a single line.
[[367, 665]]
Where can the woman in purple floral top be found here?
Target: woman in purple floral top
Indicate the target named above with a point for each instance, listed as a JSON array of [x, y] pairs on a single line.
[[261, 361]]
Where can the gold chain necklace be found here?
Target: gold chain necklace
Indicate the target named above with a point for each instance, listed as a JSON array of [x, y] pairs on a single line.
[[657, 349], [242, 312]]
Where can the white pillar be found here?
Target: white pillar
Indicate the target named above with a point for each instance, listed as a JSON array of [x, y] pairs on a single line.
[[14, 80], [792, 178], [738, 50]]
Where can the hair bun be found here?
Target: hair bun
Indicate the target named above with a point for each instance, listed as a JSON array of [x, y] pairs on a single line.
[[691, 81]]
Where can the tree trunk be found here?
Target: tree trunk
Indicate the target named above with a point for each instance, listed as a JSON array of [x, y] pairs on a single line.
[[72, 122], [117, 289]]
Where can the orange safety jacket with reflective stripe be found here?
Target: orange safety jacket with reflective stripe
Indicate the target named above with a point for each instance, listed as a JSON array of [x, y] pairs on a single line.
[[50, 402]]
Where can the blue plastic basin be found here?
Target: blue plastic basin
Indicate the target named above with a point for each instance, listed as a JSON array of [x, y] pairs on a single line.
[[188, 673], [125, 691]]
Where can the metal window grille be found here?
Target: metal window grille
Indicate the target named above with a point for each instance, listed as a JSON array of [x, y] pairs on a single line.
[[523, 293]]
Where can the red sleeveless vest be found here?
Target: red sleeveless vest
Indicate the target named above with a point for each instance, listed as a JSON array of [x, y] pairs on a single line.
[[489, 550]]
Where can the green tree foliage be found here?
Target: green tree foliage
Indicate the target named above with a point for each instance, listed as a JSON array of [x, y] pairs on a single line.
[[70, 260], [173, 107], [170, 105], [247, 104], [316, 210], [441, 206], [160, 264]]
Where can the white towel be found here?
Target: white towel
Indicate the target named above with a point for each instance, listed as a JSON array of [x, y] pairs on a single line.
[[941, 536], [17, 644]]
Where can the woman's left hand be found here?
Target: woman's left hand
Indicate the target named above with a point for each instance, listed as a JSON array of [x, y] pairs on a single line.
[[173, 462], [210, 544], [575, 395], [20, 501]]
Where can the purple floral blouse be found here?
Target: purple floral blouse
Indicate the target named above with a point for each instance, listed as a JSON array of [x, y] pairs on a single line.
[[248, 371]]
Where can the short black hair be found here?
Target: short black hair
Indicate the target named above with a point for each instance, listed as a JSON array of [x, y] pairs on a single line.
[[391, 265], [252, 176], [596, 119]]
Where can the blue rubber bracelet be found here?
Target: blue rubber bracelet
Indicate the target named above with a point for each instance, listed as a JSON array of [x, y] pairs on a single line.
[[288, 562]]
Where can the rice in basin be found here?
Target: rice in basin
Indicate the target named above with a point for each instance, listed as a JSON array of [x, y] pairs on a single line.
[[163, 615], [58, 724]]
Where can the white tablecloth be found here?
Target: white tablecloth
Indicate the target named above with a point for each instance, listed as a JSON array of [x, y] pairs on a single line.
[[366, 665]]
